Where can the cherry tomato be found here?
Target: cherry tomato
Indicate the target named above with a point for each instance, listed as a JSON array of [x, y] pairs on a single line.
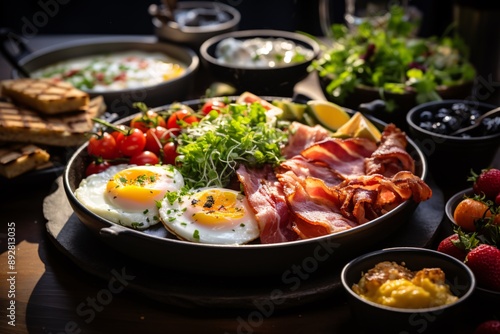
[[133, 142], [147, 120], [145, 158], [96, 167], [156, 138], [212, 105], [118, 135], [103, 145], [191, 119], [174, 121], [169, 153]]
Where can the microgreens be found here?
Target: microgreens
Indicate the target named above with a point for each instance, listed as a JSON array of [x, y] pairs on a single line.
[[211, 150]]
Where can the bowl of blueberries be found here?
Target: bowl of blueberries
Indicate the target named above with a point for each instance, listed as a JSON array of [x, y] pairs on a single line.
[[455, 138]]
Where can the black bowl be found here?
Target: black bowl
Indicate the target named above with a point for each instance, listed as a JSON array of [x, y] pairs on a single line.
[[194, 36], [159, 248], [376, 318], [120, 101], [451, 158], [262, 81]]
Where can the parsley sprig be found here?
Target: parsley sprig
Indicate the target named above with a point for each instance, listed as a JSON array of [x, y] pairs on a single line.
[[211, 150]]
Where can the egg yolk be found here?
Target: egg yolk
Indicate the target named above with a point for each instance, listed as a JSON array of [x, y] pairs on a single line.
[[215, 207], [134, 189]]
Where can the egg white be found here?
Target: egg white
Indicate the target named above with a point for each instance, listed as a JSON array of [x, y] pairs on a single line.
[[125, 204], [210, 216]]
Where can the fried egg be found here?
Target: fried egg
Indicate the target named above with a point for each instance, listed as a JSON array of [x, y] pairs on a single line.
[[210, 215], [129, 195]]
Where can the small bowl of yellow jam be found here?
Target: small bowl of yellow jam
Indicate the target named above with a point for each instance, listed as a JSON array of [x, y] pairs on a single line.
[[406, 290]]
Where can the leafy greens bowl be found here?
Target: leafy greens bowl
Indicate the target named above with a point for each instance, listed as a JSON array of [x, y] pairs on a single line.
[[387, 62]]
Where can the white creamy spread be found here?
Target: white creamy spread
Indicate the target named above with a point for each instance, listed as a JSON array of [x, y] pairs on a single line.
[[261, 52], [114, 71]]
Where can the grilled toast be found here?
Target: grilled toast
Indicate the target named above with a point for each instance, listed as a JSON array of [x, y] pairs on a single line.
[[17, 159], [20, 124], [47, 96]]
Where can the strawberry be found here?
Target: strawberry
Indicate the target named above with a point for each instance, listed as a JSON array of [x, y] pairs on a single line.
[[487, 183], [484, 261], [488, 327], [451, 246]]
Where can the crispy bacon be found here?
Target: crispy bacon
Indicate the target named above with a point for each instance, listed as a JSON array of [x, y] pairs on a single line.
[[265, 195], [330, 185], [391, 156], [317, 216]]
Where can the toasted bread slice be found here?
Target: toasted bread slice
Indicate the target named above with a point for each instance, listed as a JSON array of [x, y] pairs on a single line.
[[47, 96], [17, 159], [19, 124]]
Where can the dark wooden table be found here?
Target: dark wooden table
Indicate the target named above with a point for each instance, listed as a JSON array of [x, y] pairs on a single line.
[[54, 295]]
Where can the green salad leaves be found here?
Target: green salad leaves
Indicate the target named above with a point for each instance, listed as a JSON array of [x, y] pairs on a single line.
[[211, 150], [390, 59]]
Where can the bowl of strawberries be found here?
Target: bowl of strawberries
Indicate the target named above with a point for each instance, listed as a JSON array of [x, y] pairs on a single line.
[[474, 214]]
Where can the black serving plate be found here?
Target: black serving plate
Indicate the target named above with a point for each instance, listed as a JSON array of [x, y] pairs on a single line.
[[156, 247]]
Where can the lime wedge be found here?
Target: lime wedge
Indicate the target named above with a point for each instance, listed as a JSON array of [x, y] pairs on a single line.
[[328, 114], [292, 111], [359, 126]]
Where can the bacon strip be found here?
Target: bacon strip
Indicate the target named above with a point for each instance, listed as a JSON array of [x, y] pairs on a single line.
[[346, 156], [316, 218], [302, 136], [266, 197], [391, 156]]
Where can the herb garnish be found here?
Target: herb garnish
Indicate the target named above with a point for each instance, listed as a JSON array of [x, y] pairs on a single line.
[[211, 149]]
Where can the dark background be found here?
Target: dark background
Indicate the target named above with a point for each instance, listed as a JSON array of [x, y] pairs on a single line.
[[131, 17], [476, 21]]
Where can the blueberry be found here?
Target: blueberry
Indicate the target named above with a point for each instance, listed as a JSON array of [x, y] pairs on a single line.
[[426, 126], [474, 114], [452, 123], [442, 112], [491, 125], [426, 115], [460, 108], [439, 127]]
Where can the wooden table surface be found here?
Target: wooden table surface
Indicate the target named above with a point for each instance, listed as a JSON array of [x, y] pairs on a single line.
[[53, 295]]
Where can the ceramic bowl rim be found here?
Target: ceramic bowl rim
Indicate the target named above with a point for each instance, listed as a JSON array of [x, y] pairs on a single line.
[[247, 34]]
